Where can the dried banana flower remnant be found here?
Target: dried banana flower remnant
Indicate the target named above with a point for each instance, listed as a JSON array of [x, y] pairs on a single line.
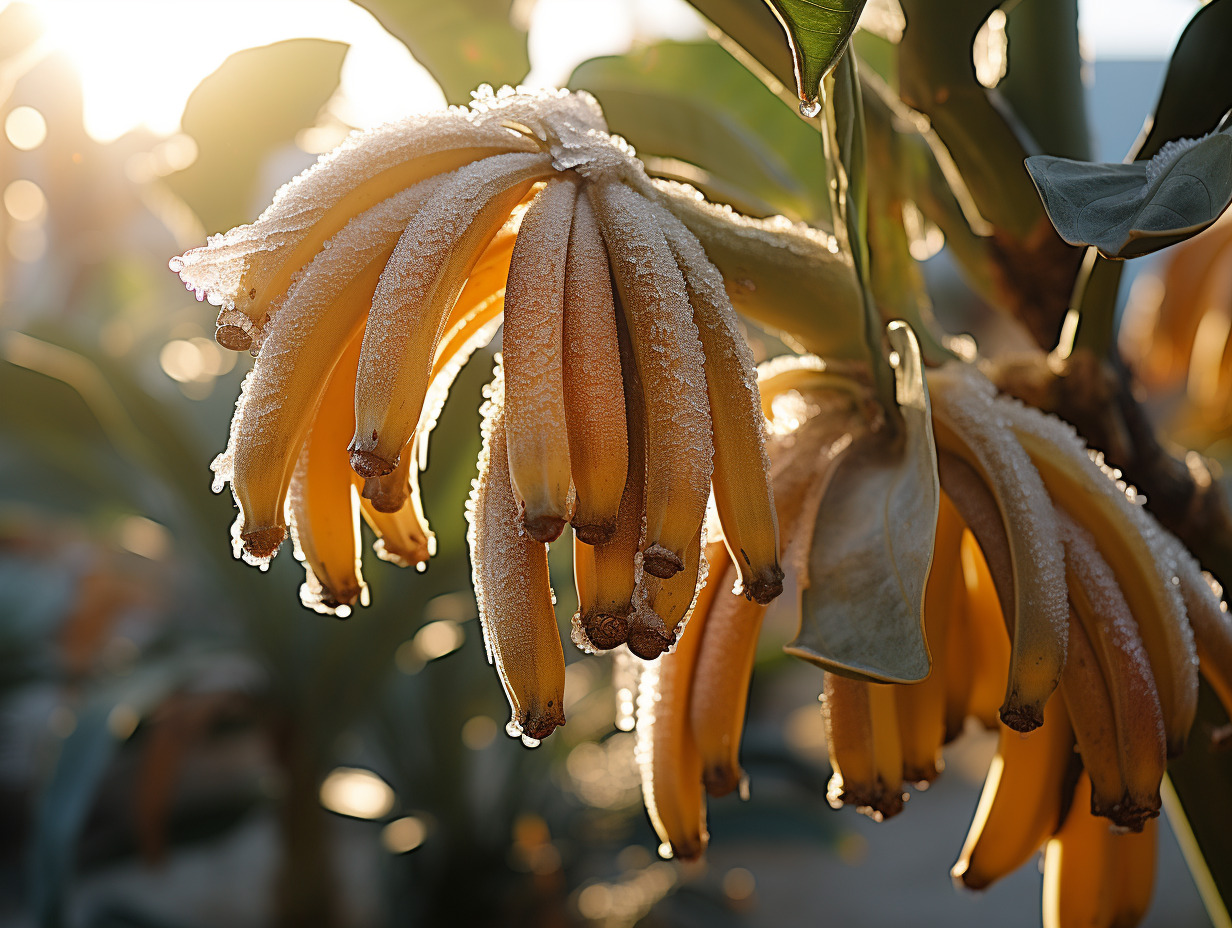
[[627, 397]]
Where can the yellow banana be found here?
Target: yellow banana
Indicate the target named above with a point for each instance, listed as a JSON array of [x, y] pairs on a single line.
[[1212, 626], [418, 287], [989, 646], [324, 516], [1020, 805], [653, 627], [1089, 705], [862, 737], [1140, 738], [981, 472], [962, 667], [670, 365], [667, 755], [389, 492], [510, 575], [533, 351], [721, 684], [322, 314], [594, 398], [402, 537], [1133, 545], [249, 269], [1133, 859], [922, 706], [1080, 873], [741, 479]]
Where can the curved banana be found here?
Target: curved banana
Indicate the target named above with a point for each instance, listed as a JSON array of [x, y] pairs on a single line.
[[323, 514], [303, 342], [1080, 873], [862, 738], [594, 397], [922, 706], [1212, 626], [741, 480], [989, 646], [1140, 737], [655, 626], [671, 367], [418, 287], [1021, 802], [667, 755], [402, 537], [966, 424], [1089, 705], [510, 575], [249, 269], [533, 350], [1133, 545]]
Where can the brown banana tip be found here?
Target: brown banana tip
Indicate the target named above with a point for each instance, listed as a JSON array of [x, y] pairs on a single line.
[[367, 464], [768, 584], [659, 562], [889, 802], [233, 337], [648, 642], [721, 779], [920, 776], [594, 534], [1022, 718], [540, 724], [1128, 814], [606, 630], [689, 849], [544, 529], [963, 878], [263, 542], [1176, 746]]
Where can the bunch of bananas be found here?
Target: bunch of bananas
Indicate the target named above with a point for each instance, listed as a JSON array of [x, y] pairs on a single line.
[[624, 400], [627, 393], [1048, 575]]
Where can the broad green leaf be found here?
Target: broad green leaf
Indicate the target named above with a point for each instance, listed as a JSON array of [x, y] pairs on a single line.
[[728, 124], [818, 34], [1127, 210], [861, 610], [462, 43], [236, 128]]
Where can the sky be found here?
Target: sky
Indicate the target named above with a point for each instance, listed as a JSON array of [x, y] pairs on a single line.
[[167, 46]]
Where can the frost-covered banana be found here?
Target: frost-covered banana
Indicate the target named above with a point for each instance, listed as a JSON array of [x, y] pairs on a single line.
[[741, 478], [594, 397], [671, 367], [664, 604], [533, 350], [510, 575], [249, 270], [418, 287], [324, 514]]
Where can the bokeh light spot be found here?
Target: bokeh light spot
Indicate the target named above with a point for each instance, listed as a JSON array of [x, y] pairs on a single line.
[[356, 792], [25, 128], [403, 835], [24, 200]]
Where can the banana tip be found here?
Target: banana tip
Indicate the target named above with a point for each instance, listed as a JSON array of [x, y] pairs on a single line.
[[368, 464], [233, 337], [544, 528], [766, 585], [648, 636], [264, 542], [659, 562], [1022, 718], [606, 630], [542, 722], [595, 533], [721, 779]]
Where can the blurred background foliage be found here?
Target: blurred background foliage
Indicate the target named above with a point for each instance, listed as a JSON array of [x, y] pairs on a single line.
[[180, 743]]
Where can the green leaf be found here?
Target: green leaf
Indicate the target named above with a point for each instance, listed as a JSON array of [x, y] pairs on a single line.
[[728, 125], [462, 43], [862, 599], [1127, 210], [818, 34], [236, 127]]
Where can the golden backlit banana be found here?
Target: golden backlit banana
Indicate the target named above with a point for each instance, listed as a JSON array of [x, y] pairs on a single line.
[[593, 393], [510, 575], [418, 287], [741, 479], [248, 270], [1020, 805], [664, 604], [533, 349], [988, 645], [321, 504], [966, 424], [670, 364], [862, 737]]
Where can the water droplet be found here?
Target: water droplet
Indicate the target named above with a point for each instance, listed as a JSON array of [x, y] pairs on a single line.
[[810, 107]]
